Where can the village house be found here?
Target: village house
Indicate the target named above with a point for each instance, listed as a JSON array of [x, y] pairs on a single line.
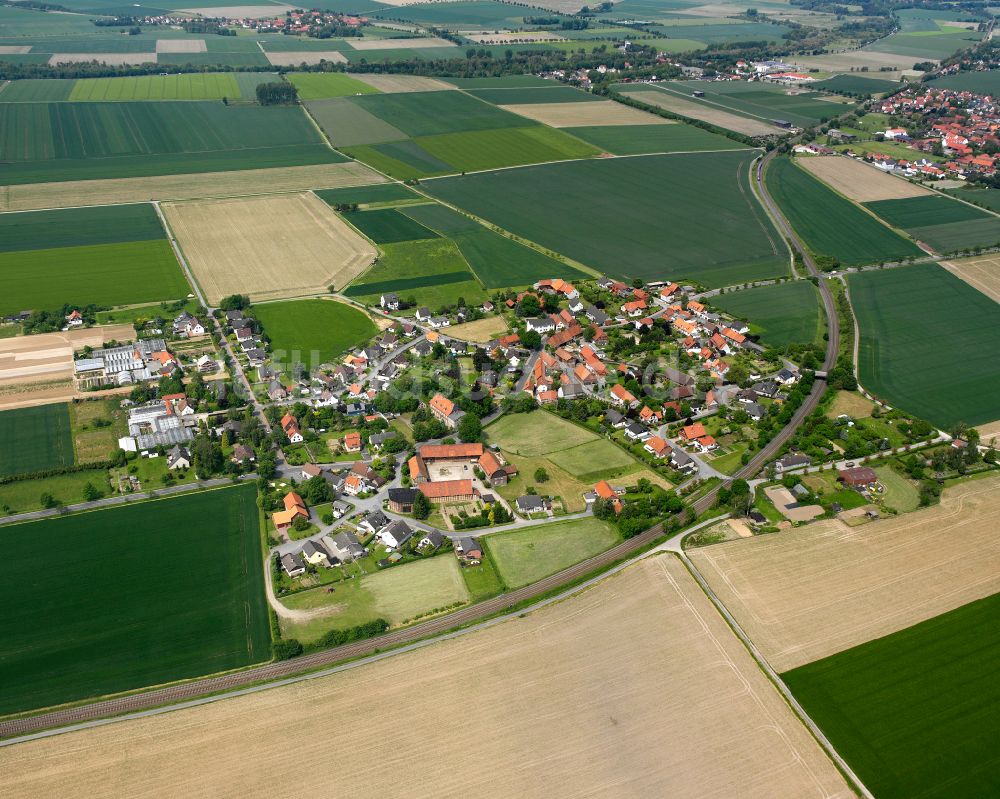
[[178, 458], [498, 473], [344, 547], [292, 564], [468, 550], [446, 410], [295, 507], [315, 554], [395, 534], [291, 427]]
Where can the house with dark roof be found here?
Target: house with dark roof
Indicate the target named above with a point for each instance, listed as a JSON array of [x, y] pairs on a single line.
[[292, 564], [401, 499]]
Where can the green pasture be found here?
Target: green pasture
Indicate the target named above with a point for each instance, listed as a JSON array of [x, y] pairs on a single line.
[[526, 556], [431, 272], [497, 260], [537, 433], [25, 496], [786, 313], [378, 193], [984, 197], [387, 226], [689, 216], [323, 85], [640, 139], [72, 227], [915, 713], [593, 458], [927, 343], [35, 439], [104, 274], [821, 216], [349, 125], [324, 327], [139, 595]]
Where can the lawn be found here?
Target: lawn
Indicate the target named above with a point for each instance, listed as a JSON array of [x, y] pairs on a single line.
[[187, 86], [786, 313], [560, 483], [536, 433], [322, 85], [927, 343], [388, 226], [594, 460], [680, 216], [433, 113], [639, 139], [379, 193], [35, 439], [77, 141], [431, 272], [497, 260], [139, 595], [820, 216], [315, 330], [900, 494], [73, 227], [396, 594], [915, 713], [104, 274], [526, 556], [482, 580]]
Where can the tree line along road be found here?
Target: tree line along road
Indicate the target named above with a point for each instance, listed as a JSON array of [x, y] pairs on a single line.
[[473, 613]]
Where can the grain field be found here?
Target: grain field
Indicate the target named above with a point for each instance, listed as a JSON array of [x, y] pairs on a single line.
[[981, 273], [575, 115], [636, 687], [859, 181], [704, 112], [807, 593], [397, 84], [267, 247]]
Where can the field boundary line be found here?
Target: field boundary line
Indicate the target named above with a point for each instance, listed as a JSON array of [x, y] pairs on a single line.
[[179, 254], [774, 222], [774, 677]]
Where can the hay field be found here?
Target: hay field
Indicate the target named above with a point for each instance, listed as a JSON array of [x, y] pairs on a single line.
[[480, 331], [674, 707], [310, 57], [399, 44], [573, 115], [110, 59], [980, 273], [185, 187], [808, 593], [706, 113], [181, 46], [859, 181], [397, 84], [267, 247]]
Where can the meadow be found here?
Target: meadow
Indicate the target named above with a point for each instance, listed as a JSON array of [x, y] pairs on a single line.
[[431, 272], [946, 225], [69, 141], [118, 610], [787, 313], [324, 327], [322, 85], [914, 322], [640, 139], [526, 556], [35, 439], [73, 227], [820, 217], [680, 216], [103, 274], [915, 713], [497, 260], [536, 433], [387, 226]]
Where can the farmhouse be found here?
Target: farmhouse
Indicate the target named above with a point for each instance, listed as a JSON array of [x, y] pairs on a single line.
[[861, 478], [449, 490], [445, 410], [497, 472], [604, 490], [294, 508], [291, 427]]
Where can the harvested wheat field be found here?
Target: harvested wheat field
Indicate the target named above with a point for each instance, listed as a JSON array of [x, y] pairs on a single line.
[[256, 12], [267, 247], [636, 687], [804, 594], [706, 113], [398, 84], [480, 331], [574, 115], [181, 46], [310, 57], [980, 273], [72, 193], [400, 44], [109, 59], [859, 181]]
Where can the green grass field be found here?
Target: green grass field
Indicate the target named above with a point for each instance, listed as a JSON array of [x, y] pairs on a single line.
[[431, 272], [139, 595], [787, 313], [537, 433], [322, 85], [403, 160], [820, 216], [188, 86], [104, 274], [395, 594], [526, 556], [639, 139], [73, 227], [24, 496], [323, 327], [927, 343], [946, 225], [497, 260], [37, 90], [599, 457], [35, 439], [77, 141], [388, 226], [433, 113], [379, 193], [503, 82], [675, 216], [915, 713]]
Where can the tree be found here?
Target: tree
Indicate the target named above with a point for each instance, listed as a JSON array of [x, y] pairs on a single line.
[[48, 501], [235, 302], [421, 506], [531, 340], [301, 524], [91, 492], [470, 429], [528, 306], [277, 93], [207, 456], [317, 490], [541, 476]]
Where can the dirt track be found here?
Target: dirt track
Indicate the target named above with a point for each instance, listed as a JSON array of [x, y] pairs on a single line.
[[811, 592], [635, 687]]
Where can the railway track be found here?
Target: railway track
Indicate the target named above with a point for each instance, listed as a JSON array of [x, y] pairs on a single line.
[[269, 672]]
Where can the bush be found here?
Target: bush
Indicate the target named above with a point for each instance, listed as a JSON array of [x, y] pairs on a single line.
[[284, 649]]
